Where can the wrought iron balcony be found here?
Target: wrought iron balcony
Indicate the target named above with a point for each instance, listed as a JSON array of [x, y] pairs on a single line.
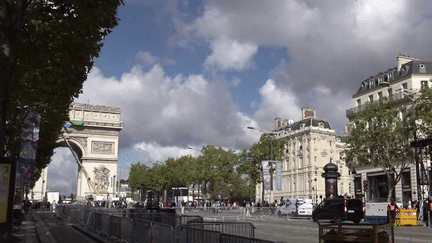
[[397, 97]]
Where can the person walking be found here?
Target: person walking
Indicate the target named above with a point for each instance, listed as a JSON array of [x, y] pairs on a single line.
[[182, 205], [248, 214]]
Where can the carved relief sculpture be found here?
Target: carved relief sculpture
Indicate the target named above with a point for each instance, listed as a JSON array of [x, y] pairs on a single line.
[[102, 148], [101, 175]]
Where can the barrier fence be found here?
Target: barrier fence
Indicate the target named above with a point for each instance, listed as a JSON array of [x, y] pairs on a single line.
[[136, 226]]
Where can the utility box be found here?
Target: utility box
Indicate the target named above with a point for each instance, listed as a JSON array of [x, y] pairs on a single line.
[[52, 196]]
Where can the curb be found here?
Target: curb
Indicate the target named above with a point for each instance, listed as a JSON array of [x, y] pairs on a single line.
[[85, 231], [90, 235], [42, 231]]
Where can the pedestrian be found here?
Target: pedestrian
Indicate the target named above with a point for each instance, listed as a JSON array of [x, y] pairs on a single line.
[[409, 206], [182, 206], [391, 212], [248, 214]]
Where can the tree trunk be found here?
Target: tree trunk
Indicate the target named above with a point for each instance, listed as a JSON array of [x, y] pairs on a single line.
[[391, 186]]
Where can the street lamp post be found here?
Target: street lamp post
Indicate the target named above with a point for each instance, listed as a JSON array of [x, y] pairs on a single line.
[[270, 134]]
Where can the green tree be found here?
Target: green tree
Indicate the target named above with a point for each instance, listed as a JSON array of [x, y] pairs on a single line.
[[382, 139], [424, 112], [267, 148], [47, 50], [219, 170], [138, 176]]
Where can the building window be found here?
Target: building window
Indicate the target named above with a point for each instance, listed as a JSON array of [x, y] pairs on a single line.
[[380, 95], [370, 99], [358, 103], [390, 93], [315, 159], [424, 85]]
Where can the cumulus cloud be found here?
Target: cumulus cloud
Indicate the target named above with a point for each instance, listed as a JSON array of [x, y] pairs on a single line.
[[171, 111], [147, 59], [235, 81], [62, 172], [276, 102], [332, 46], [230, 55]]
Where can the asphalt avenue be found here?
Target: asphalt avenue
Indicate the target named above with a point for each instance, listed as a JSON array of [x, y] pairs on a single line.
[[46, 227]]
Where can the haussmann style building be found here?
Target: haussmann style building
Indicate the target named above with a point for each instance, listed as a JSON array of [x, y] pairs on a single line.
[[400, 84], [310, 144]]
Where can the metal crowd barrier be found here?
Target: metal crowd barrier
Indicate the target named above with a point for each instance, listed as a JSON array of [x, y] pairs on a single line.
[[136, 226], [245, 229], [187, 234]]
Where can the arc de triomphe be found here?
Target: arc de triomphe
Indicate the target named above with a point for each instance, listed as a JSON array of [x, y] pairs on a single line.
[[93, 136]]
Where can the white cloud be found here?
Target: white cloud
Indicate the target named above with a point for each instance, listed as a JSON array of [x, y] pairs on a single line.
[[335, 45], [276, 102], [62, 172], [171, 111], [148, 59], [230, 55], [153, 152], [235, 81]]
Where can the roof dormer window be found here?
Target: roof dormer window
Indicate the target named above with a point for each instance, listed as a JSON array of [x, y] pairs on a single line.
[[302, 125], [321, 124], [422, 68]]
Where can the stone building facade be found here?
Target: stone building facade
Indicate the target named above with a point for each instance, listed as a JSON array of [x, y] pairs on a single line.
[[408, 77], [311, 143]]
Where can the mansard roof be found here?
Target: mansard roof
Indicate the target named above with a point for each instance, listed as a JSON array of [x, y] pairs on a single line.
[[392, 75], [308, 121]]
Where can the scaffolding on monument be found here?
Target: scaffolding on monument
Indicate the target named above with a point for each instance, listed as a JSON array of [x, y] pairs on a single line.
[[82, 169]]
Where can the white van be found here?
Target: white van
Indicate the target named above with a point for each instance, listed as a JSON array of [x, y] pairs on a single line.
[[304, 207], [288, 209]]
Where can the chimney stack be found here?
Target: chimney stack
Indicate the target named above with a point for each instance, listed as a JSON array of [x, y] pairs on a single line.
[[402, 59]]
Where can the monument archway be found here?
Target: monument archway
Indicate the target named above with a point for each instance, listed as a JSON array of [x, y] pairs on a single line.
[[92, 134]]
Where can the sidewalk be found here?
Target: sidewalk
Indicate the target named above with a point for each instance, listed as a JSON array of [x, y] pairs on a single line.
[[26, 232], [32, 230]]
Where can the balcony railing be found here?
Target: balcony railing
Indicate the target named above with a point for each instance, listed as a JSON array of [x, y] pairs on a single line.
[[395, 97]]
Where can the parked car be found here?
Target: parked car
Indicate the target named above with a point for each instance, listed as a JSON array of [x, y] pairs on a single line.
[[304, 207], [288, 209], [339, 209]]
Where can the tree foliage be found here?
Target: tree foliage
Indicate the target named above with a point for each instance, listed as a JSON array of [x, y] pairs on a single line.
[[47, 51], [381, 138], [267, 148], [423, 112], [216, 168]]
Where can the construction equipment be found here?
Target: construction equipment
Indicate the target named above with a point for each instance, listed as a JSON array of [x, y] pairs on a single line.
[[82, 169]]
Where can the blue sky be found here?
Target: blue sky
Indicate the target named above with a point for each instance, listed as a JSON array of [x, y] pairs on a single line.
[[191, 73]]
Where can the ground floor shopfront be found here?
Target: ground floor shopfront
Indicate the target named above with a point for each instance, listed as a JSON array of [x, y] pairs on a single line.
[[371, 185]]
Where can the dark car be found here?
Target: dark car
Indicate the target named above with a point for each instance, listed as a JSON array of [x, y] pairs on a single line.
[[339, 209]]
